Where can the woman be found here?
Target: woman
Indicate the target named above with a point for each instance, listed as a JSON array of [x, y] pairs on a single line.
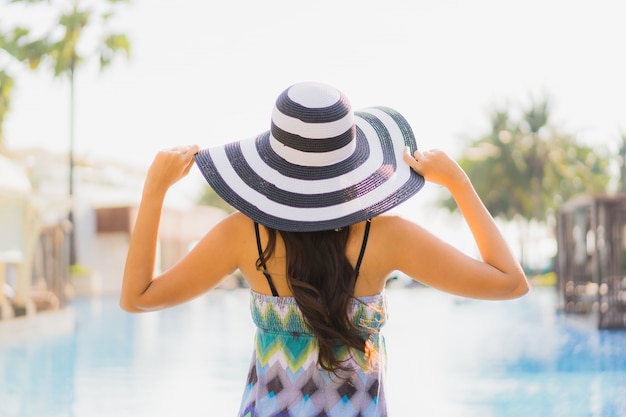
[[313, 242]]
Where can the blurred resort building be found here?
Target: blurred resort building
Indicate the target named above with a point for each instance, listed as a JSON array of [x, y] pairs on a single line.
[[35, 235], [591, 259]]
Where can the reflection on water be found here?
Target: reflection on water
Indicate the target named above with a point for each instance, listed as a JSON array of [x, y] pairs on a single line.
[[447, 357]]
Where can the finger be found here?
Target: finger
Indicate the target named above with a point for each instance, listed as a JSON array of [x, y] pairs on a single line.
[[188, 161], [188, 167], [408, 158], [189, 154], [410, 161], [190, 150], [176, 149]]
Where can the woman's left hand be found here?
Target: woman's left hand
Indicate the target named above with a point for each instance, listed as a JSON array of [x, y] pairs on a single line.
[[169, 166]]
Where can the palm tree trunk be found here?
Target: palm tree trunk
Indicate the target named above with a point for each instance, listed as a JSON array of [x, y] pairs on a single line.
[[72, 234]]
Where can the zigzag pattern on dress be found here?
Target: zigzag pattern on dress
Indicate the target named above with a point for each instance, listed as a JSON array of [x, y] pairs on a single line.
[[283, 314], [285, 379]]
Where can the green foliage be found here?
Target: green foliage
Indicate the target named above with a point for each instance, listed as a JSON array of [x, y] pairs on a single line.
[[17, 44], [621, 163], [59, 47], [6, 86], [64, 51], [527, 168], [111, 45], [210, 198], [78, 270]]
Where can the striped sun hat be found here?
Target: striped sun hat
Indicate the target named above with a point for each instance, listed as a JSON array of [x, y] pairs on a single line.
[[321, 166]]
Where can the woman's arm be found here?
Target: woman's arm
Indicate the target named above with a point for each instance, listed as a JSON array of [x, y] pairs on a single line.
[[141, 290], [497, 276]]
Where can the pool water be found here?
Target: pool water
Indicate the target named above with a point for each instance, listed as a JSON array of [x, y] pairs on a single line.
[[447, 357]]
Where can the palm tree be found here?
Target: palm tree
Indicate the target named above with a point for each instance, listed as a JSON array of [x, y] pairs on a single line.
[[525, 169], [63, 54], [66, 59], [535, 119], [528, 167], [17, 45]]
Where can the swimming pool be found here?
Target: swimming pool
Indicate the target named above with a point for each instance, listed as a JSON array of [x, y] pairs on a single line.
[[447, 357]]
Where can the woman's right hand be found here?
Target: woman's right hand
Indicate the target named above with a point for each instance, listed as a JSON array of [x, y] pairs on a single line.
[[169, 166]]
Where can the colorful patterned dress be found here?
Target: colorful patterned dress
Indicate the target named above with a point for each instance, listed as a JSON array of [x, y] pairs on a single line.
[[285, 379]]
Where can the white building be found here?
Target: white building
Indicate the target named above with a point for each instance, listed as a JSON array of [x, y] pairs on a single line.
[[19, 230]]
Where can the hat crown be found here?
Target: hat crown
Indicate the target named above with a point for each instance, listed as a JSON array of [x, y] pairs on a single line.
[[313, 124], [314, 95]]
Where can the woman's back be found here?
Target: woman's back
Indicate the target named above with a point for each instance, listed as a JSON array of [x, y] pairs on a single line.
[[373, 269]]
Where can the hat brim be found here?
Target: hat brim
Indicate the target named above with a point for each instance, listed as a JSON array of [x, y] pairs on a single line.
[[251, 177]]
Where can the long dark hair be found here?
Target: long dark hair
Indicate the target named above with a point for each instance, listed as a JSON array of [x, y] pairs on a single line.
[[322, 281]]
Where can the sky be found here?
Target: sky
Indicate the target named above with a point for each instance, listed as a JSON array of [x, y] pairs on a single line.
[[208, 73]]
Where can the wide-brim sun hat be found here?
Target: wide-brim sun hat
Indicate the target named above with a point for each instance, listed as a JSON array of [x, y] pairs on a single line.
[[321, 166]]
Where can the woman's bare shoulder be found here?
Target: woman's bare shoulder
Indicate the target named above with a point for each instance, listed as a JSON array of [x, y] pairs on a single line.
[[392, 223], [238, 219], [394, 229], [235, 225]]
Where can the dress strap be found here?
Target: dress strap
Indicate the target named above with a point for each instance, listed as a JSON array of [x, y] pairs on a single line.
[[363, 245], [262, 260]]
